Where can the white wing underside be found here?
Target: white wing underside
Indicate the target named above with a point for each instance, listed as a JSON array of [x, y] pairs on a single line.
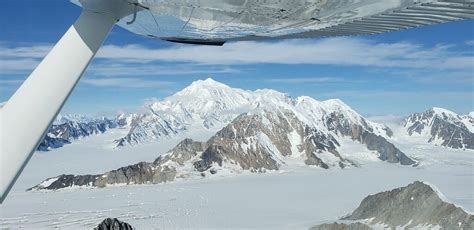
[[239, 20], [405, 18]]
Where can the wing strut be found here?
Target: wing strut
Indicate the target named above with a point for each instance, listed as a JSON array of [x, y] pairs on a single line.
[[26, 117]]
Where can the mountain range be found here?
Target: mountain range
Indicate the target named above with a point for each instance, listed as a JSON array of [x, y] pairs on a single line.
[[257, 131], [254, 142], [210, 105]]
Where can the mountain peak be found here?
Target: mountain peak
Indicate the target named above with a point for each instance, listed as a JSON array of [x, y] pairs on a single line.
[[335, 101], [203, 88], [437, 110], [209, 82], [63, 118]]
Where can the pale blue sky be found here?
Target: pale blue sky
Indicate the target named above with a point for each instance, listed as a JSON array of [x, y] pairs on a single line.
[[394, 73]]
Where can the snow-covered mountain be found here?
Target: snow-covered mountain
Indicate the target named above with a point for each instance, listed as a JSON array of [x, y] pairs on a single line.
[[255, 131], [442, 127], [207, 104], [67, 128], [257, 141]]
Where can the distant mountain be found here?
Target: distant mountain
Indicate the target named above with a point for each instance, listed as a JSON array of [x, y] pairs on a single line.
[[67, 128], [207, 104], [442, 127], [256, 142], [416, 206]]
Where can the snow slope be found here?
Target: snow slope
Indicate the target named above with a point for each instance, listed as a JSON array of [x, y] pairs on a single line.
[[296, 198]]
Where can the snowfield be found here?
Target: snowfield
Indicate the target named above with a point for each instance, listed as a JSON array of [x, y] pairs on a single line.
[[295, 197]]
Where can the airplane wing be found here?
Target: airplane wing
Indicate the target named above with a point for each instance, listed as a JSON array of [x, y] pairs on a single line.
[[211, 22]]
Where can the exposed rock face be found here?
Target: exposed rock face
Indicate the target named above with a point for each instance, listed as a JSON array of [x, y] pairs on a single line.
[[388, 152], [341, 226], [113, 224], [264, 140], [363, 133], [68, 128], [442, 127], [414, 205]]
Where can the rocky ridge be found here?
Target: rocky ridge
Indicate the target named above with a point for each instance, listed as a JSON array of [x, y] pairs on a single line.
[[417, 205], [67, 128], [442, 127]]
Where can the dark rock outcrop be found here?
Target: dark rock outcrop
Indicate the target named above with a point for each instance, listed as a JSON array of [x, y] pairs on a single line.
[[410, 206], [52, 143], [141, 173], [113, 224], [70, 180], [387, 151]]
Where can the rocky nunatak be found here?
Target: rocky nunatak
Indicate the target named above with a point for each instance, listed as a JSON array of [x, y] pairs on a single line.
[[417, 206], [113, 224]]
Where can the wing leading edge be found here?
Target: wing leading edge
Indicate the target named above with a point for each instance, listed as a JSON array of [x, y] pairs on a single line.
[[211, 22]]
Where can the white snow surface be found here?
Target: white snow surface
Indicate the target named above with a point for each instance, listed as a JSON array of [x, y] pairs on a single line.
[[295, 197]]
